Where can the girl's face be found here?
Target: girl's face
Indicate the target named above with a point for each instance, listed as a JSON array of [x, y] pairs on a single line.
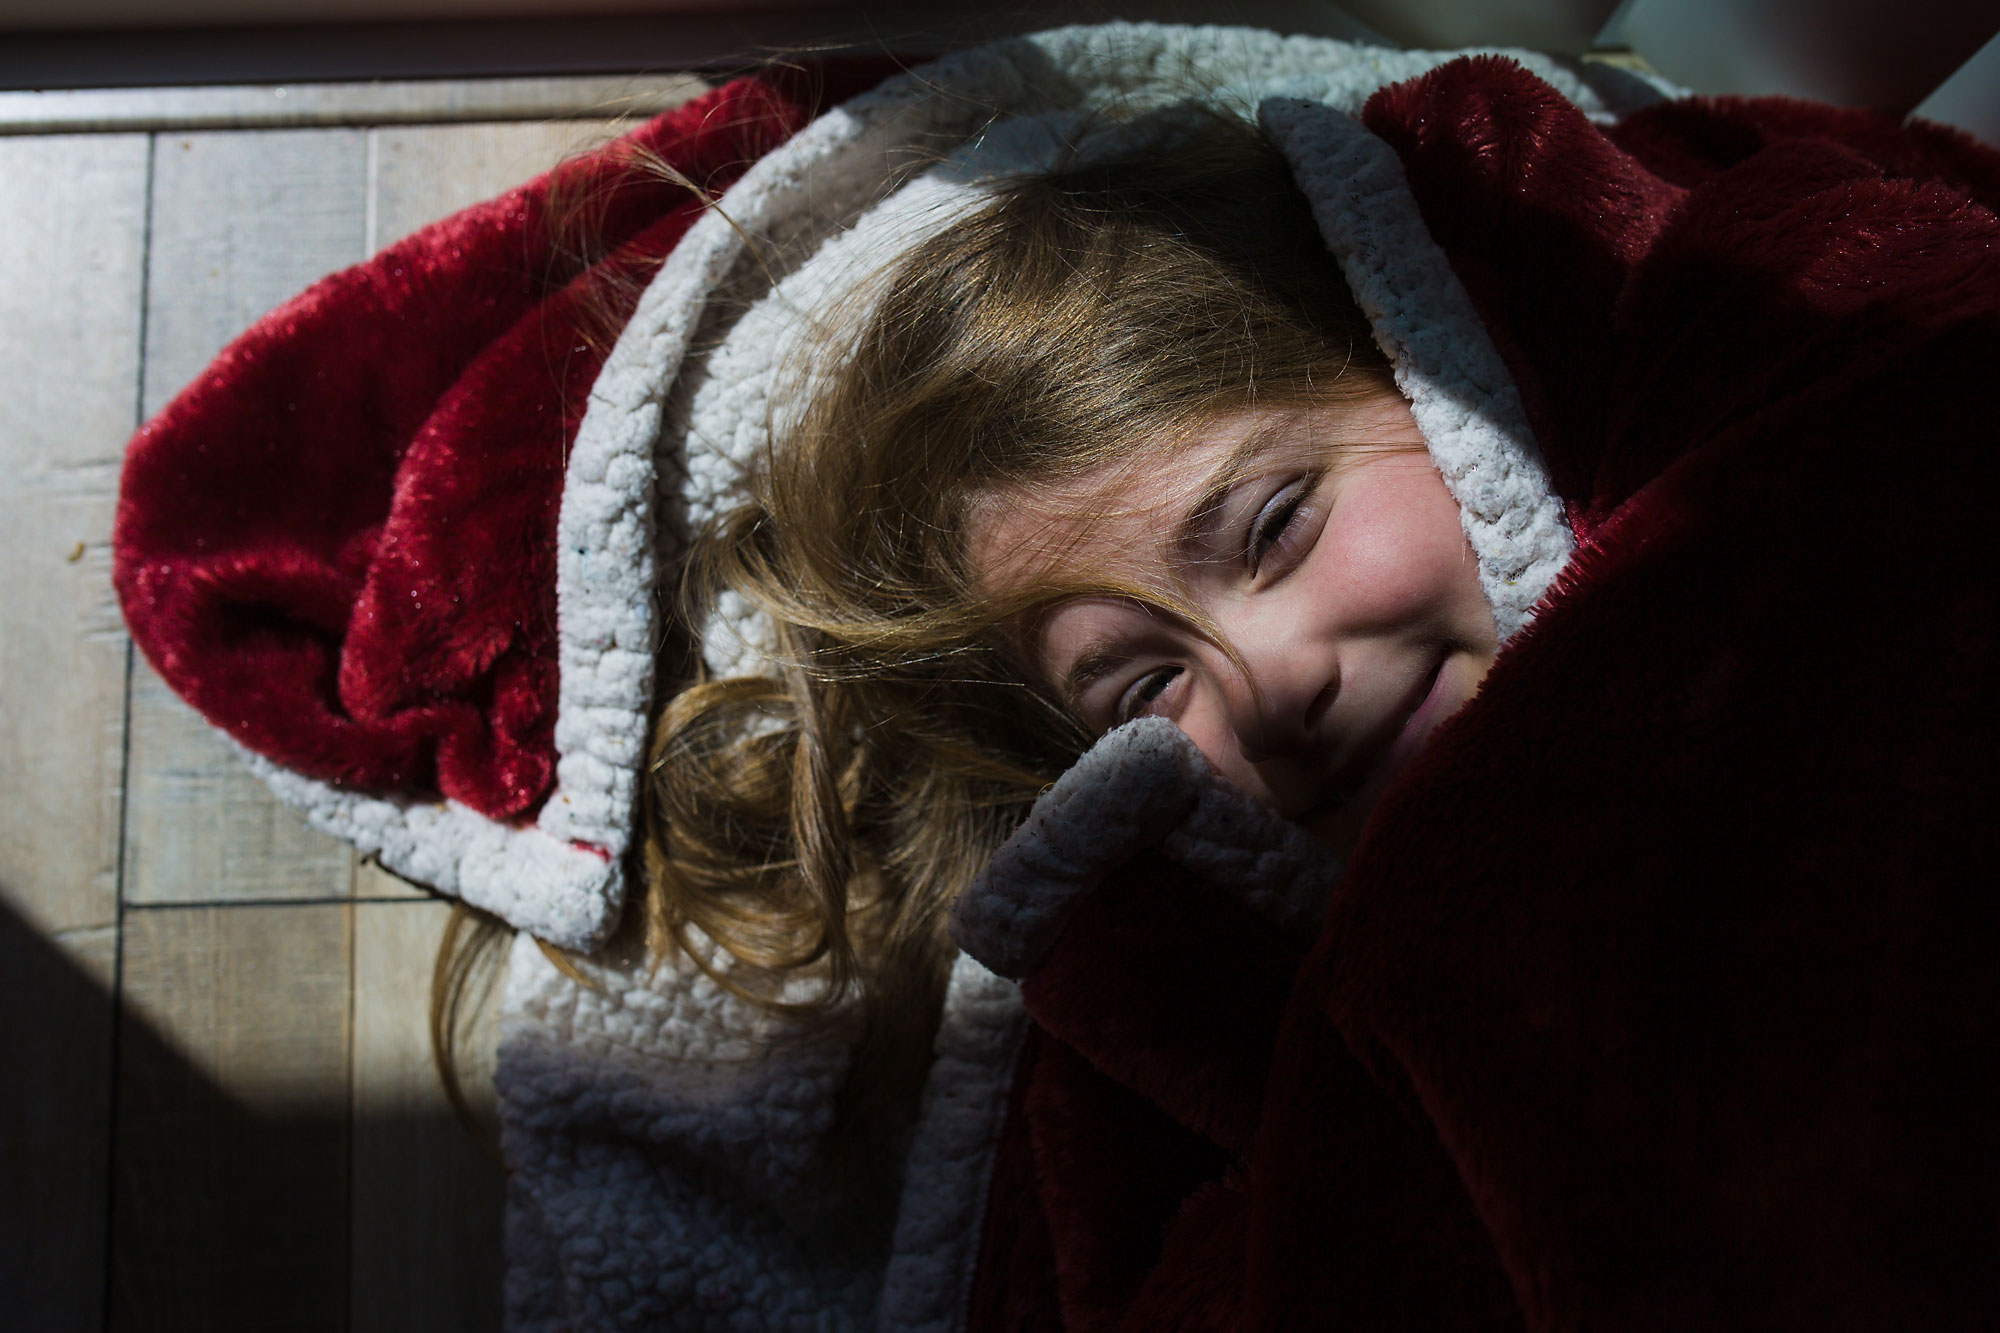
[[1321, 543]]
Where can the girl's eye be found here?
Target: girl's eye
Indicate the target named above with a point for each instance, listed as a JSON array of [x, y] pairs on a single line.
[[1141, 696], [1274, 521]]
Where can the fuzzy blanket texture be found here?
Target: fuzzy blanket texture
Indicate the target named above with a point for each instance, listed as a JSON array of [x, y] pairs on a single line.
[[1656, 994]]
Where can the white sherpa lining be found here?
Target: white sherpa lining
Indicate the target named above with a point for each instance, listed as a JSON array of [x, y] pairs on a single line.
[[664, 1159], [1460, 393], [663, 1156]]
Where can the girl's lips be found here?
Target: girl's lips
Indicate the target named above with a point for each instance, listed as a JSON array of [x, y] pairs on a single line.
[[1421, 720], [1393, 743]]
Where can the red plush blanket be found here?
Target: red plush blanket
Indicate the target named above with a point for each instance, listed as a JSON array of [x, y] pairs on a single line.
[[338, 543], [1661, 992]]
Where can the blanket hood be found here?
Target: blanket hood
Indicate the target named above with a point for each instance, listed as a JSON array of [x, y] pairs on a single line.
[[419, 580]]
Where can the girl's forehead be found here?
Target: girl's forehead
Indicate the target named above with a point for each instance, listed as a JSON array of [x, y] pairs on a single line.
[[1136, 514], [1115, 521]]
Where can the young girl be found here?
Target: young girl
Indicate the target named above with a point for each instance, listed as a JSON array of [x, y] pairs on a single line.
[[1556, 510], [1079, 466]]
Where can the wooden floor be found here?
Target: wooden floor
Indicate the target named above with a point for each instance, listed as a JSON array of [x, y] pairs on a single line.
[[217, 1108]]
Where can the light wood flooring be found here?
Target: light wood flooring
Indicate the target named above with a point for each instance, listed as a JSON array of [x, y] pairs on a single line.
[[217, 1105]]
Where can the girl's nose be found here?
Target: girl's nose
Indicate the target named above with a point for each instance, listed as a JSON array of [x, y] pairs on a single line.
[[1278, 704]]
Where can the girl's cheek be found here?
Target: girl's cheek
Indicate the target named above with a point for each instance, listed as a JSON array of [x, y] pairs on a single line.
[[1389, 546], [1374, 565]]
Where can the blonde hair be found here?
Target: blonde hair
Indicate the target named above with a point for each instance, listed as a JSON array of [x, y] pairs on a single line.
[[818, 819]]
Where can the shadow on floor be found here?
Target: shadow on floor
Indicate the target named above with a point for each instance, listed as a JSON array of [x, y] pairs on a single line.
[[136, 1194]]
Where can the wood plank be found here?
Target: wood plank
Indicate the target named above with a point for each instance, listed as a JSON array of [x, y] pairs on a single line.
[[230, 1160], [202, 828], [422, 173], [426, 1198], [377, 102], [72, 229], [240, 222]]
